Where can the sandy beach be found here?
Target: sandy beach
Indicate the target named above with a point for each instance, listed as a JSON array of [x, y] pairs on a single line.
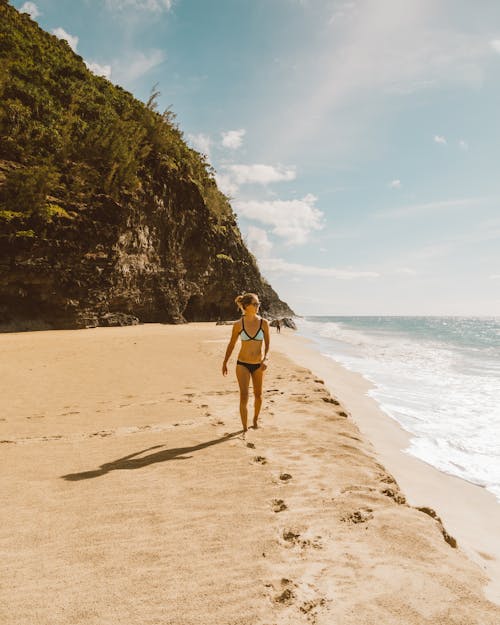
[[130, 494]]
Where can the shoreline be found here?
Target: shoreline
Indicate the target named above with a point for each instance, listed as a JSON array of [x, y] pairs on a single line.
[[475, 525], [130, 493]]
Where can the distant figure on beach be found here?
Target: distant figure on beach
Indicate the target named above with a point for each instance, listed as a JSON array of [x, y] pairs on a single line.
[[251, 364], [278, 326]]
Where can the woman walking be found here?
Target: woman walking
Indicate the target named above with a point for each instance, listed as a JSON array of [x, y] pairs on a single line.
[[251, 364]]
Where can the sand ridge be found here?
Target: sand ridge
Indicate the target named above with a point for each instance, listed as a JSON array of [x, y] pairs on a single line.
[[131, 495]]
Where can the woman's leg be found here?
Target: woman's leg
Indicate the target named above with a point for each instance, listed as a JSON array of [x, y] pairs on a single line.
[[257, 378], [243, 375]]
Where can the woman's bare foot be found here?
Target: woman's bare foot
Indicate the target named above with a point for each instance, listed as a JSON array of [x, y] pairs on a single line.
[[255, 424]]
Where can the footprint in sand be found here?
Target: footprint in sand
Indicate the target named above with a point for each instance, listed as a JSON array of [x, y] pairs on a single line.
[[286, 597], [395, 495], [293, 538], [386, 478], [260, 460], [284, 477], [308, 606], [358, 516], [330, 400], [285, 594], [251, 445], [290, 536], [279, 505]]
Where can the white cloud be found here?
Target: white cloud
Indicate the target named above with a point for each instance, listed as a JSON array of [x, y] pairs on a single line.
[[278, 265], [258, 242], [99, 70], [431, 207], [233, 139], [495, 44], [259, 174], [463, 145], [135, 64], [495, 276], [395, 184], [201, 143], [147, 5], [291, 220], [71, 39], [440, 139], [31, 9]]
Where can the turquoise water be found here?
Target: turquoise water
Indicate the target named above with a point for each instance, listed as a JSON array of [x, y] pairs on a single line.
[[439, 377]]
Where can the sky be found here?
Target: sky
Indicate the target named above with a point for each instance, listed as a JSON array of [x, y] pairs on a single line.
[[358, 141]]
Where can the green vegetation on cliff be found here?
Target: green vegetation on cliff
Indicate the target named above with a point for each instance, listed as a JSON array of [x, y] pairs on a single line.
[[76, 134]]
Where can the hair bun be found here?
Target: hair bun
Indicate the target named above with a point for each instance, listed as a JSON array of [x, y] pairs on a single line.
[[242, 301]]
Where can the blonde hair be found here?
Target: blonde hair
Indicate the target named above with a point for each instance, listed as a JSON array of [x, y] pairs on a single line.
[[242, 301]]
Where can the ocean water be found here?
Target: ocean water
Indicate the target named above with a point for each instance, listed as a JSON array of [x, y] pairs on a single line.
[[438, 377]]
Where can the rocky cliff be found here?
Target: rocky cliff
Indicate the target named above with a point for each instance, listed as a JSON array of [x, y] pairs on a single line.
[[106, 216]]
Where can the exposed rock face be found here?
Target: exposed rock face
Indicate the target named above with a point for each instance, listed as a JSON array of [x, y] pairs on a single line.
[[162, 258], [107, 216]]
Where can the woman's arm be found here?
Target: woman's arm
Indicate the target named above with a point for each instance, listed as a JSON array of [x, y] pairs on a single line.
[[231, 344], [267, 342]]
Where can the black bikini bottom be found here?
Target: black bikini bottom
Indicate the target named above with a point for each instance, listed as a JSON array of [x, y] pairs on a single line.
[[250, 366]]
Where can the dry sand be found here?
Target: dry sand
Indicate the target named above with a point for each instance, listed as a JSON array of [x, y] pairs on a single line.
[[130, 496]]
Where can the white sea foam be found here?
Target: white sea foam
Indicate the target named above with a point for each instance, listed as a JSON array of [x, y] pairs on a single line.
[[439, 378]]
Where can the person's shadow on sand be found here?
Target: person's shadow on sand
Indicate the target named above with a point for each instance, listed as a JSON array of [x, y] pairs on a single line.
[[132, 462]]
